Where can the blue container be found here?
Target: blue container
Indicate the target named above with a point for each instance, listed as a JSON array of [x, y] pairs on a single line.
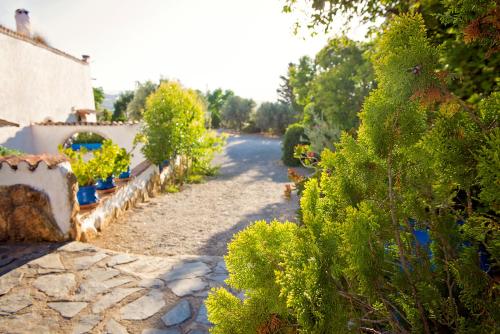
[[87, 195], [106, 184], [164, 164], [88, 146], [125, 175]]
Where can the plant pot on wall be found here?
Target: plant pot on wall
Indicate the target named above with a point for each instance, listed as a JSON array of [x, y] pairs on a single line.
[[106, 185], [125, 175], [163, 164], [87, 196]]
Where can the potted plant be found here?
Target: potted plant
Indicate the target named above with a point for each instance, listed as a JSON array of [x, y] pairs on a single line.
[[113, 160], [122, 164], [86, 172]]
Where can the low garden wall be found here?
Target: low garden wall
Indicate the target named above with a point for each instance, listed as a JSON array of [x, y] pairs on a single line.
[[146, 181], [38, 199]]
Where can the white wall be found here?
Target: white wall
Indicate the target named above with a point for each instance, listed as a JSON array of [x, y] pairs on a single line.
[[48, 137], [36, 84], [52, 182], [20, 138]]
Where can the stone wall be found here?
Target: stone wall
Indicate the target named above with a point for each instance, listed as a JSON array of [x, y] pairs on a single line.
[[147, 181], [38, 185], [38, 199], [26, 215]]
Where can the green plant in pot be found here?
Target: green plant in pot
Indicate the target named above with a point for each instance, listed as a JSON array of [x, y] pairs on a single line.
[[86, 172], [122, 164], [113, 160]]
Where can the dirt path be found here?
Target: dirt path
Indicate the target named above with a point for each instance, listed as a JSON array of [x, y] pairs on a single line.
[[203, 217]]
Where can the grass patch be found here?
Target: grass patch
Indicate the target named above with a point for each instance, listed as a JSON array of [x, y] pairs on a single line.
[[172, 189]]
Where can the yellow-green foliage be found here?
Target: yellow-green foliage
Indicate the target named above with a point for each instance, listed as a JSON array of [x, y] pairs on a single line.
[[354, 265], [174, 122], [253, 260]]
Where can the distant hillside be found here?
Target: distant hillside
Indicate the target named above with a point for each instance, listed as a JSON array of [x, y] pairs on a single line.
[[109, 100]]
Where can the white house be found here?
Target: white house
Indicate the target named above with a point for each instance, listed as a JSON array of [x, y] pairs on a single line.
[[46, 95]]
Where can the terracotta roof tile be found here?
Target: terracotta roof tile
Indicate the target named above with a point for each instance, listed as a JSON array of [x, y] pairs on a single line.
[[12, 33], [4, 122], [85, 111], [100, 123], [13, 161]]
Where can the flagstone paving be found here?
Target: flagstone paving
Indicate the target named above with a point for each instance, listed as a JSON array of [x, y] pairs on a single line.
[[86, 288], [93, 290]]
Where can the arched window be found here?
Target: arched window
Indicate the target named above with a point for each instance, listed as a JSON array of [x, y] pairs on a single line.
[[90, 140]]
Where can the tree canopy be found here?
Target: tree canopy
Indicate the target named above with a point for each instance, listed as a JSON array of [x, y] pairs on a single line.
[[236, 111], [216, 100], [120, 105], [136, 106]]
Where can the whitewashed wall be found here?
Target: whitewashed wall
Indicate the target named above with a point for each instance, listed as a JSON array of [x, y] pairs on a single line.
[[48, 137], [37, 84]]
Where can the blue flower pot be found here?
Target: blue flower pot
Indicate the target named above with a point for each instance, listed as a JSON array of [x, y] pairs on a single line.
[[88, 146], [125, 175], [164, 164], [87, 195], [106, 184]]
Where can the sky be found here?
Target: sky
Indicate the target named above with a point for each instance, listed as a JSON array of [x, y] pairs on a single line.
[[242, 45]]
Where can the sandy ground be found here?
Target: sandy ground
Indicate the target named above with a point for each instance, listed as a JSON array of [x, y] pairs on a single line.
[[202, 218]]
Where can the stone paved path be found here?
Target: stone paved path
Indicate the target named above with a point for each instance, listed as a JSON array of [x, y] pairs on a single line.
[[80, 288], [87, 288], [202, 218]]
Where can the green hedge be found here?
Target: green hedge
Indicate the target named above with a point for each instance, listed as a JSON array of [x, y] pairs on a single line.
[[293, 136]]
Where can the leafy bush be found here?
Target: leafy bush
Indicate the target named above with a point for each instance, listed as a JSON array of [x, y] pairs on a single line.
[[174, 122], [275, 117], [174, 125], [255, 256], [5, 151], [423, 163], [294, 136]]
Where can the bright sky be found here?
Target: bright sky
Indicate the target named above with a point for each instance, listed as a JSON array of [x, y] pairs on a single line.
[[243, 45]]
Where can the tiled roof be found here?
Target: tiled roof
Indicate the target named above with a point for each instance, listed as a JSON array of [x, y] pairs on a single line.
[[85, 111], [4, 122], [12, 33], [51, 160], [102, 123]]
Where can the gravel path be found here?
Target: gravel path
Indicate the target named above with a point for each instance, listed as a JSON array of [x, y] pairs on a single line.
[[202, 218]]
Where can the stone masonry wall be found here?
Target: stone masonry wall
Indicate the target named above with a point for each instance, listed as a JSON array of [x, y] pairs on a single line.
[[25, 214]]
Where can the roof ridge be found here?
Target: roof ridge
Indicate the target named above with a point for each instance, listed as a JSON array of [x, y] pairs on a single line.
[[14, 34], [98, 123]]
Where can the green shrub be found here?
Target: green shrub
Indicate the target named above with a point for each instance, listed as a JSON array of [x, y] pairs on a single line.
[[253, 260], [5, 151], [175, 125], [87, 137], [250, 127], [419, 163], [294, 136], [174, 122]]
